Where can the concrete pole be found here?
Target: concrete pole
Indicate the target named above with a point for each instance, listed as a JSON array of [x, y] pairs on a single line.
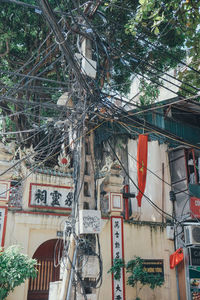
[[68, 270], [66, 286]]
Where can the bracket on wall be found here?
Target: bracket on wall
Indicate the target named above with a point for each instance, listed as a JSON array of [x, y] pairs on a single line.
[[127, 195]]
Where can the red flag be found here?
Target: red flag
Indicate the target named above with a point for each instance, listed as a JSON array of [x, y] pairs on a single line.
[[142, 165]]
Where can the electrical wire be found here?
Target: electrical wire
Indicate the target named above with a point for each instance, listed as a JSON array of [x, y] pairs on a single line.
[[151, 79], [163, 48], [30, 155], [164, 133], [147, 63], [49, 15], [157, 208], [31, 59], [162, 78], [34, 77], [176, 190], [152, 128], [37, 8], [153, 108]]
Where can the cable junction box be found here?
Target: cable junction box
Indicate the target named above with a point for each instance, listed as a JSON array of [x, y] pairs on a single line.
[[90, 266], [89, 221], [88, 67]]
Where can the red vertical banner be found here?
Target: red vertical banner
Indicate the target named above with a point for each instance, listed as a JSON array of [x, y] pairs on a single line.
[[117, 252], [142, 151]]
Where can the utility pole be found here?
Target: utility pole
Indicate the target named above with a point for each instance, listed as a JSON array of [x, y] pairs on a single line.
[[85, 191], [84, 194], [86, 197]]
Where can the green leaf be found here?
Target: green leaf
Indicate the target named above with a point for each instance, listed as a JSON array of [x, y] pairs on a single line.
[[156, 31], [15, 268], [142, 2], [118, 264]]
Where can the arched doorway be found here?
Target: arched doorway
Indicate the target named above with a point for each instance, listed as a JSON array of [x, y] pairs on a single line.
[[48, 271]]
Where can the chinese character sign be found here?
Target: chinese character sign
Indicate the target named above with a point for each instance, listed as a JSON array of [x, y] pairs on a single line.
[[46, 195], [117, 252], [2, 224]]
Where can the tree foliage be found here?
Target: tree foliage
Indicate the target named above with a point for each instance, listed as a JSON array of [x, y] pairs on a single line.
[[28, 52], [129, 38], [33, 77], [138, 276], [149, 93], [15, 268], [145, 54], [184, 17], [118, 264]]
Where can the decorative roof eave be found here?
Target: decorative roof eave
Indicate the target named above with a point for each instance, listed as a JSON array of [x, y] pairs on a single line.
[[52, 172]]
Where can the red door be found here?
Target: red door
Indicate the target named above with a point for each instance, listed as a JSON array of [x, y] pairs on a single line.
[[48, 270]]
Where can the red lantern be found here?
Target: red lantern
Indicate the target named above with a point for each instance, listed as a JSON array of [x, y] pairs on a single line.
[[176, 258]]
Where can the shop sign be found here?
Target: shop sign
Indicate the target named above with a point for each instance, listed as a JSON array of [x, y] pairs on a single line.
[[50, 196], [117, 248], [195, 207], [194, 277], [154, 266], [194, 253]]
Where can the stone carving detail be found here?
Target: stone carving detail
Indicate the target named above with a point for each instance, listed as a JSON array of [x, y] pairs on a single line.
[[106, 168], [64, 162]]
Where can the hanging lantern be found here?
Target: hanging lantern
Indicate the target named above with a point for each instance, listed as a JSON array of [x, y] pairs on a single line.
[[176, 258]]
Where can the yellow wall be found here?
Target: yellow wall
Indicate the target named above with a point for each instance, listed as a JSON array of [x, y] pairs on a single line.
[[32, 228], [30, 231], [148, 243]]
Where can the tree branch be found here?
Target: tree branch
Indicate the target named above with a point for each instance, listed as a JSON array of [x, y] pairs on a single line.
[[7, 49]]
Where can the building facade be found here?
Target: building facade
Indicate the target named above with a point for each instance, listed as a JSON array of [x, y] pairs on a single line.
[[36, 204]]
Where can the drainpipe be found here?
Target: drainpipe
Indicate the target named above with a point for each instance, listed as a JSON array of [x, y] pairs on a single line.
[[172, 197], [177, 283]]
